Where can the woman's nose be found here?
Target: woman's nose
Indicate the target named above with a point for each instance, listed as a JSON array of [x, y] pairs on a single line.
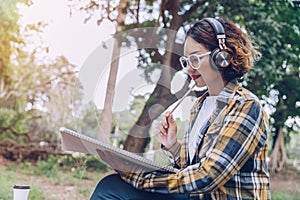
[[190, 70]]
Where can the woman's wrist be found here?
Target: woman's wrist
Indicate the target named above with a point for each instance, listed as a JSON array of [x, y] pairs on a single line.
[[173, 149]]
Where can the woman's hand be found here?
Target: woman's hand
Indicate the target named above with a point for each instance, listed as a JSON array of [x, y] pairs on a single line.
[[168, 131]]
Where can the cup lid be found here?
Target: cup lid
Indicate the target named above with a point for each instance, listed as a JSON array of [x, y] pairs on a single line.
[[21, 187]]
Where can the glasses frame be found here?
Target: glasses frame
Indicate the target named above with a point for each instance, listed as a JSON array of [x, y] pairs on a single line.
[[188, 61]]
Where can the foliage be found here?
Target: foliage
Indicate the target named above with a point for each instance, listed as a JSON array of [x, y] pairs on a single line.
[[48, 168], [89, 162], [9, 30], [273, 25], [93, 163], [78, 164], [9, 34], [35, 91], [86, 119]]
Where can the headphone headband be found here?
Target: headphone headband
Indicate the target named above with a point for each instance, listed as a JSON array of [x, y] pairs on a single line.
[[219, 31], [217, 26], [221, 56]]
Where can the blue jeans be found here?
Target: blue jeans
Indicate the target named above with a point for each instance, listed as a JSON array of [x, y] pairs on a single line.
[[113, 187]]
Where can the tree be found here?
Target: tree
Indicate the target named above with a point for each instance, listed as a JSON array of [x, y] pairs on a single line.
[[277, 34], [30, 85], [274, 26], [162, 96], [272, 79], [281, 44], [10, 32], [172, 16], [106, 115], [139, 133], [107, 12]]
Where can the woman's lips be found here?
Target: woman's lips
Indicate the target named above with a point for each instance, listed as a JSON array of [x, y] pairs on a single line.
[[194, 77]]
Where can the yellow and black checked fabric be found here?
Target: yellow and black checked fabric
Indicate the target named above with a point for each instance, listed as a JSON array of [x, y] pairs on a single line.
[[230, 161]]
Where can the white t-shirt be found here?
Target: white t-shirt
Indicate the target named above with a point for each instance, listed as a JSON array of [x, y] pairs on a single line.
[[208, 106]]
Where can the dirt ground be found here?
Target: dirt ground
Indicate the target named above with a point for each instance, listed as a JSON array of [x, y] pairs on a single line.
[[286, 181], [53, 191]]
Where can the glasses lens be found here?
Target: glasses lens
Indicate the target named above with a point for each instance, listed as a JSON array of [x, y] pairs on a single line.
[[183, 62], [194, 61]]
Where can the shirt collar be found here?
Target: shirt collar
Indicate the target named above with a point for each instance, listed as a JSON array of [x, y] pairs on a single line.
[[228, 92], [224, 96]]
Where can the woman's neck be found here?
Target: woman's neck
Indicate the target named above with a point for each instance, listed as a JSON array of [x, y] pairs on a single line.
[[216, 87]]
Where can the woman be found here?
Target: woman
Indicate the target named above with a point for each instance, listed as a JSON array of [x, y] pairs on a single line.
[[225, 149]]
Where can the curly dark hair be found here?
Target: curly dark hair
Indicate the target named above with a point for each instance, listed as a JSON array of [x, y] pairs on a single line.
[[242, 50]]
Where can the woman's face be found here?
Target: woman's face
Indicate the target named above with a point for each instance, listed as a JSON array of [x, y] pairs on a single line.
[[205, 75]]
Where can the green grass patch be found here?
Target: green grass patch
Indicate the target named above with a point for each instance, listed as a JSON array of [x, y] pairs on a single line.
[[278, 195], [7, 181], [82, 172]]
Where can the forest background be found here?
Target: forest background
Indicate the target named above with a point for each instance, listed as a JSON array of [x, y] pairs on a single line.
[[130, 79]]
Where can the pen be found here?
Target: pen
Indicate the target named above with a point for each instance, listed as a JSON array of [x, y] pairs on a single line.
[[183, 97]]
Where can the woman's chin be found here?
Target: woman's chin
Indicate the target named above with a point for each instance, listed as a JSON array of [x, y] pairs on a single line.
[[199, 83]]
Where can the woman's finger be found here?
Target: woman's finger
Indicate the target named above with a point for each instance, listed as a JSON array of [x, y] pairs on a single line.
[[161, 129], [165, 123]]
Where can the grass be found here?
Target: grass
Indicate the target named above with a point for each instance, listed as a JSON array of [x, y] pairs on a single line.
[[52, 179], [75, 178], [277, 195], [9, 178]]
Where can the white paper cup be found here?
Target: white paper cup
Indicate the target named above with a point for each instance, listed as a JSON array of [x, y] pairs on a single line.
[[21, 192]]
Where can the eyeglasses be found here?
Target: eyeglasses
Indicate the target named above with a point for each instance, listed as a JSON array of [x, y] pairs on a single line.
[[193, 60]]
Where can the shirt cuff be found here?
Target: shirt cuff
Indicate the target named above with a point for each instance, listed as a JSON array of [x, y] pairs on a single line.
[[174, 150]]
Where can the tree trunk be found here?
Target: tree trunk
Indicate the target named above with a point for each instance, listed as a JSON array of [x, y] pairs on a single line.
[[159, 101], [106, 115], [161, 98], [278, 156]]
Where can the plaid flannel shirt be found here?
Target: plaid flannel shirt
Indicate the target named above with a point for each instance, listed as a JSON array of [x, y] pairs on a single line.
[[230, 161]]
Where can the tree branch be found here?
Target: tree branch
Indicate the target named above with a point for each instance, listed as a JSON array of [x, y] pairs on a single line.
[[157, 56], [14, 132], [138, 13], [188, 13]]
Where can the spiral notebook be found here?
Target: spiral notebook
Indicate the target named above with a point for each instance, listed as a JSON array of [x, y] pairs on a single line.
[[77, 142]]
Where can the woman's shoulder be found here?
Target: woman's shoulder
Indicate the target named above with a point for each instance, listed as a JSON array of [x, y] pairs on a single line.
[[236, 93], [246, 95]]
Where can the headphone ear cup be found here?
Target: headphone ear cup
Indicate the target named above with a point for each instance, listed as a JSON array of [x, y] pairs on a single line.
[[221, 58], [212, 63]]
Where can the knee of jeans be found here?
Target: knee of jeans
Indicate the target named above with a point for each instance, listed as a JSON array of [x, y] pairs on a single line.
[[107, 182], [105, 188]]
